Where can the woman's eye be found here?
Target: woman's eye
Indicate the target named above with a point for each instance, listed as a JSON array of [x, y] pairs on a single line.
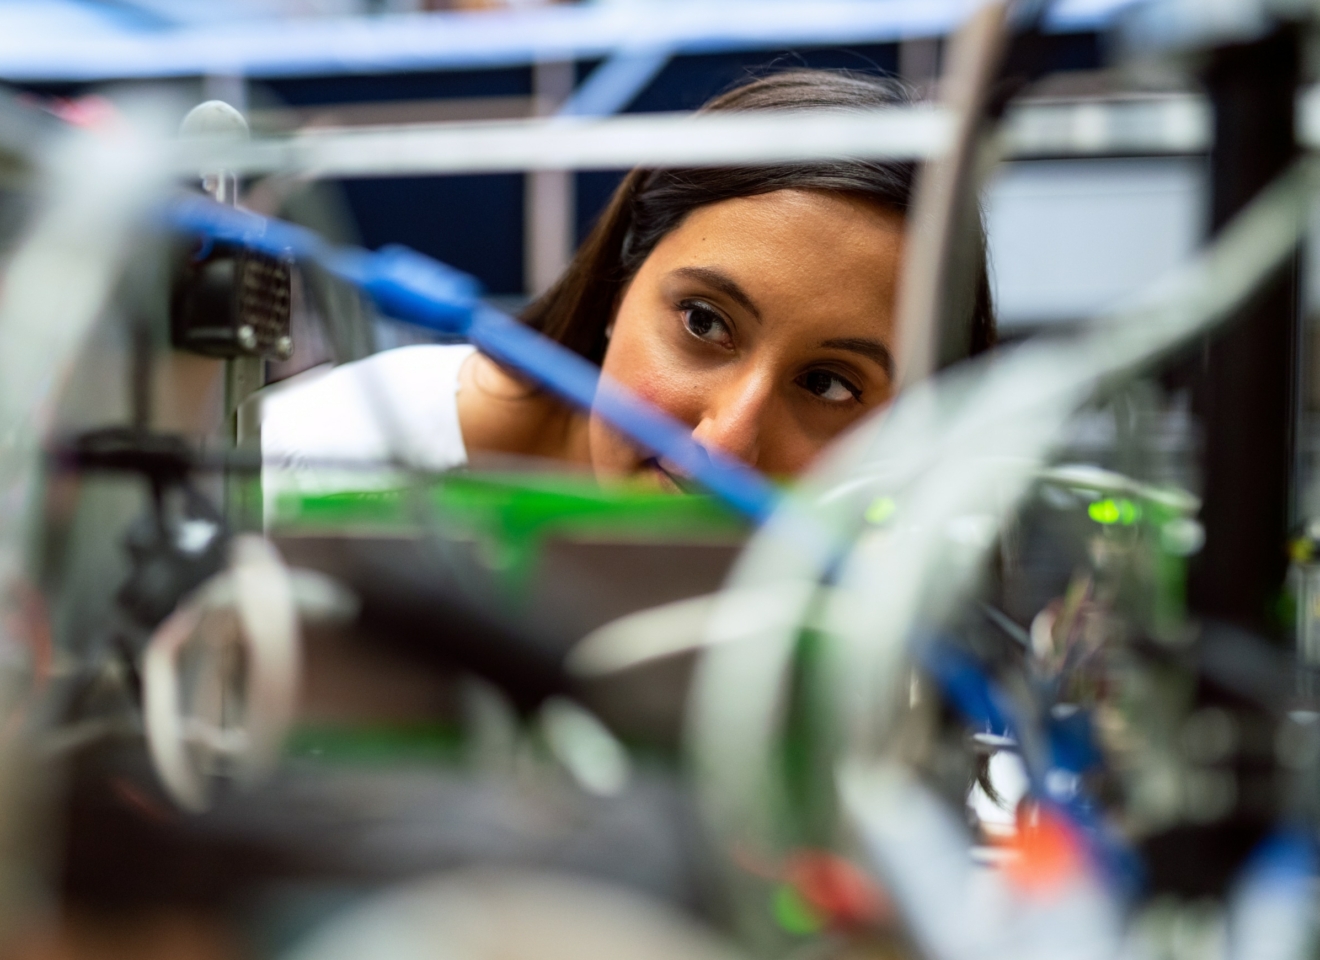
[[705, 324], [829, 386]]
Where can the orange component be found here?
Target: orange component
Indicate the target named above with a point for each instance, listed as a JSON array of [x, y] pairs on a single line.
[[1047, 851]]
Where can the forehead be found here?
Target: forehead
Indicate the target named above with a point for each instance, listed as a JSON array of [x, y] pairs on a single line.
[[794, 251]]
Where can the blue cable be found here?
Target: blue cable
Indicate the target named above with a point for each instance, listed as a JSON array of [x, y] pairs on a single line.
[[983, 705], [414, 288]]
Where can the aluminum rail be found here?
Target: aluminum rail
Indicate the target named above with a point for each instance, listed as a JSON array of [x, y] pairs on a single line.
[[1136, 126], [438, 41], [563, 143]]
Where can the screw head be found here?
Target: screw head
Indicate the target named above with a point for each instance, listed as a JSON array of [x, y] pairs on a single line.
[[247, 337], [284, 347]]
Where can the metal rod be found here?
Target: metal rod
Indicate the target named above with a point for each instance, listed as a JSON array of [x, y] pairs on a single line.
[[1243, 393]]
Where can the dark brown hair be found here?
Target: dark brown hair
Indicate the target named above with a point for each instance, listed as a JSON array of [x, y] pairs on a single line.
[[650, 203]]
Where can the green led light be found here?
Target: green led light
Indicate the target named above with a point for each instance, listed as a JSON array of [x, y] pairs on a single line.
[[793, 914], [1103, 511], [881, 509], [1110, 512]]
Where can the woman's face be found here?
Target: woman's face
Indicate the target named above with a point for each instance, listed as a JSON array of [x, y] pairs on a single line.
[[765, 323]]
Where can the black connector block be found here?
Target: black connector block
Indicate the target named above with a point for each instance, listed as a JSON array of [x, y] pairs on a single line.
[[233, 303]]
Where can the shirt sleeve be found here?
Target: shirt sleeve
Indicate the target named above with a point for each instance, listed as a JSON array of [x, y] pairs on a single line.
[[327, 430]]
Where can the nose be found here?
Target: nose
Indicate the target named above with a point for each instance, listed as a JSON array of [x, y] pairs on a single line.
[[733, 417]]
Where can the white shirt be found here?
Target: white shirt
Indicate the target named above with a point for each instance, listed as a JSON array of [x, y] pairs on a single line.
[[323, 431]]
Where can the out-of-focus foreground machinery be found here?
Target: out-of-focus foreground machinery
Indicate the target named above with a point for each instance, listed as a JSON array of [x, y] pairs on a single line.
[[1024, 667]]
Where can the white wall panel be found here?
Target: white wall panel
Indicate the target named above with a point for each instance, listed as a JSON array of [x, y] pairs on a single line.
[[1069, 238]]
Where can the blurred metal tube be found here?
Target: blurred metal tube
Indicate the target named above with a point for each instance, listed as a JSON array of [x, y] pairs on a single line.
[[549, 207], [1145, 125], [585, 143], [937, 286], [94, 188], [617, 82], [334, 46]]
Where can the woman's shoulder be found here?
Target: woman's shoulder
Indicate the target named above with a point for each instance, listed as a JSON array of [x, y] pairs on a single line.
[[426, 363], [397, 402], [501, 413]]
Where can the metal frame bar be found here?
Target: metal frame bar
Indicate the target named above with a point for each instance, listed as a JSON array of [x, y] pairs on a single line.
[[449, 41], [1137, 126]]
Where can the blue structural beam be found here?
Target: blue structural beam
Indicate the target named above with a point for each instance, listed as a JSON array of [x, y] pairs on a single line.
[[439, 41], [409, 286], [616, 82]]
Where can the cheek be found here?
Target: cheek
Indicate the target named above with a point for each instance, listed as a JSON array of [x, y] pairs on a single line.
[[639, 358], [644, 360], [787, 452]]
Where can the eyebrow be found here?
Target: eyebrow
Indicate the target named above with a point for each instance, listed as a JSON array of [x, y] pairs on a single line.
[[866, 347], [724, 283]]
